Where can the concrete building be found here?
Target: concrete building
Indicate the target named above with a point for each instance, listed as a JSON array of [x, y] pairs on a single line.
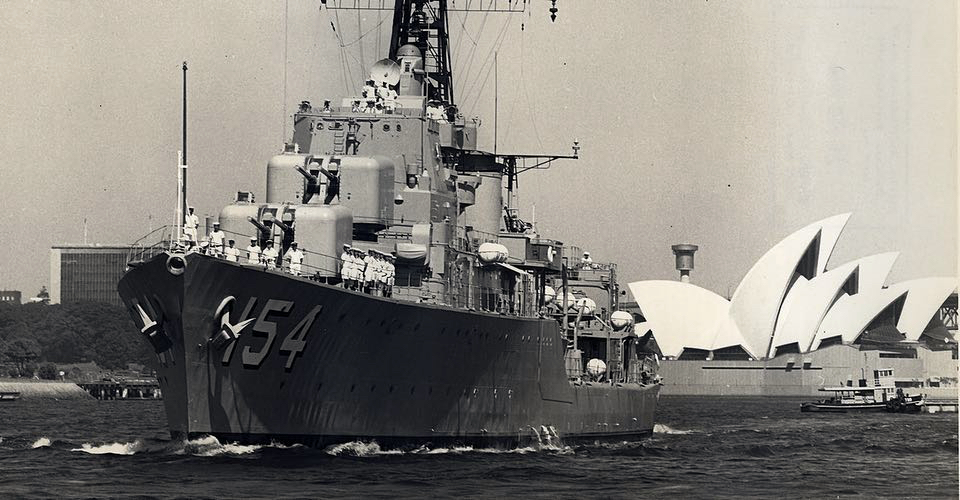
[[11, 296], [88, 273]]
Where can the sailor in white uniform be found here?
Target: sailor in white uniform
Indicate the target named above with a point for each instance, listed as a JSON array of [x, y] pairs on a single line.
[[190, 224], [253, 252], [345, 265], [356, 269], [217, 238], [231, 252], [391, 274], [295, 257], [270, 255], [369, 273]]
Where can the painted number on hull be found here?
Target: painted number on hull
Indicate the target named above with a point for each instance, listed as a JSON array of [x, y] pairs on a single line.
[[264, 328], [295, 340], [291, 347]]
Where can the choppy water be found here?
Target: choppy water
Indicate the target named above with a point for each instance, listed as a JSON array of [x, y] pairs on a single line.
[[701, 448]]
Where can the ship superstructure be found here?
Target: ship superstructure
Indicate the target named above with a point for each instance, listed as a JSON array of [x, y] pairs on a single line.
[[491, 333]]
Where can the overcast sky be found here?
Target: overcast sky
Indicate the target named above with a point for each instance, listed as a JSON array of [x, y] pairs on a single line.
[[724, 124]]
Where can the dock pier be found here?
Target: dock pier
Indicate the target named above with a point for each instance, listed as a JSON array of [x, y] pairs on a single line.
[[123, 389], [939, 405]]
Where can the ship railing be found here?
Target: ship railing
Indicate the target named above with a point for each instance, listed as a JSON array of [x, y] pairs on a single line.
[[398, 110], [412, 285], [153, 243]]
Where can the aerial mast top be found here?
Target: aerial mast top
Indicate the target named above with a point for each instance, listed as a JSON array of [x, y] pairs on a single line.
[[423, 24]]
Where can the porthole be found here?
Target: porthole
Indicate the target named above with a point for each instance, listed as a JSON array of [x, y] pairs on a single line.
[[398, 127], [386, 127]]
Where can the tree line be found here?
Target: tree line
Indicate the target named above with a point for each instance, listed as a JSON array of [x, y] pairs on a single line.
[[69, 333]]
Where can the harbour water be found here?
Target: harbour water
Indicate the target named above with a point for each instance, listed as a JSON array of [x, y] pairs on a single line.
[[701, 448]]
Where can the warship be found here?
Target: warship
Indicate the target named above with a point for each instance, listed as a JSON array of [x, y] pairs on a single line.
[[485, 333]]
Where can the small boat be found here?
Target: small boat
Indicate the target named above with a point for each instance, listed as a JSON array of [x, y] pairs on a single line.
[[9, 395], [863, 398]]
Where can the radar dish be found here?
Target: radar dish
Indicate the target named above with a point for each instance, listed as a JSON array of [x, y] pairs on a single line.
[[387, 71]]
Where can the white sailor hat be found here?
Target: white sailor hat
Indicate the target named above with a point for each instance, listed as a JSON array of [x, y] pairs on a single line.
[[346, 245], [253, 238], [216, 223]]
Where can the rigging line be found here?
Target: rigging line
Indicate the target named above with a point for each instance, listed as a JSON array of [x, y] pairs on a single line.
[[360, 30], [533, 119], [465, 33], [379, 22], [286, 17], [473, 51], [488, 61], [363, 35], [463, 24], [483, 85], [516, 91], [341, 71], [343, 50]]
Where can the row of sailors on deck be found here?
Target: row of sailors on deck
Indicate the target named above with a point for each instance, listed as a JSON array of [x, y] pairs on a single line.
[[216, 245], [372, 273], [269, 256], [378, 97]]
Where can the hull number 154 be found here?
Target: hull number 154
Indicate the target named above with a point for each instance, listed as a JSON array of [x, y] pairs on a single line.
[[293, 343]]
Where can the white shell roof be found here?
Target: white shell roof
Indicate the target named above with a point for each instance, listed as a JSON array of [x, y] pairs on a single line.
[[755, 304], [925, 297], [680, 314], [853, 313], [874, 270], [772, 308], [806, 305]]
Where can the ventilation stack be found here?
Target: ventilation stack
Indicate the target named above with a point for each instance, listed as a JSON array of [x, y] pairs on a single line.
[[684, 253]]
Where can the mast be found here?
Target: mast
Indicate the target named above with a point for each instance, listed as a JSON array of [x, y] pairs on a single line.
[[182, 169], [424, 24]]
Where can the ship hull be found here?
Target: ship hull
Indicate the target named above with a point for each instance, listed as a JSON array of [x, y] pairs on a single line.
[[318, 365]]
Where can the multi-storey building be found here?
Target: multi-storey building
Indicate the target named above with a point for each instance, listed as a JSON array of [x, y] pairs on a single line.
[[88, 273]]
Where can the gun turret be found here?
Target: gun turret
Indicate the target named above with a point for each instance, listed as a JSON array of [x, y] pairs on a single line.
[[313, 183]]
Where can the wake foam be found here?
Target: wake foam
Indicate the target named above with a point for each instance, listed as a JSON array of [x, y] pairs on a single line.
[[666, 429], [111, 448], [359, 449], [210, 446], [43, 442], [372, 448]]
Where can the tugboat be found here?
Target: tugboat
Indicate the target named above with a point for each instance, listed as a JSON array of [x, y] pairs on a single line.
[[474, 329], [883, 396]]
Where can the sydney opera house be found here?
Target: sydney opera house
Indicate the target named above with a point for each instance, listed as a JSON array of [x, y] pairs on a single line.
[[793, 325]]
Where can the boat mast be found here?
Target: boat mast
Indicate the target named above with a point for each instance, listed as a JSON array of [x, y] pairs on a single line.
[[182, 169], [423, 23]]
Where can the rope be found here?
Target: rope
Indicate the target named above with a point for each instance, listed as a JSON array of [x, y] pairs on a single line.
[[489, 60], [526, 96], [360, 30]]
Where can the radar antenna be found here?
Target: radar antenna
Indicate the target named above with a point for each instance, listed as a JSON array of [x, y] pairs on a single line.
[[423, 23]]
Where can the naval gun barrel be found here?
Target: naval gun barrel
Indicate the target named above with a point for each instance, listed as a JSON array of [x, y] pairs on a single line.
[[283, 225], [260, 226], [310, 177], [313, 178]]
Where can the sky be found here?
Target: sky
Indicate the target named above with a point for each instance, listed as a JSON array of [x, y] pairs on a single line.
[[724, 124]]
